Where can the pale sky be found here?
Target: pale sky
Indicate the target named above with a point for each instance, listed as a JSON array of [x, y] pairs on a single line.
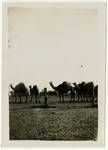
[[51, 44]]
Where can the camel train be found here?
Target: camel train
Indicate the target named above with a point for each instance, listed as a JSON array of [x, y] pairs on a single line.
[[82, 91], [78, 92]]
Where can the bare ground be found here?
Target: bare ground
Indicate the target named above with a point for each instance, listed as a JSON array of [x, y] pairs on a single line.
[[61, 121]]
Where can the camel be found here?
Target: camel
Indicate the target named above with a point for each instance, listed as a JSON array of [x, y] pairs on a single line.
[[62, 89], [19, 91], [79, 90], [85, 90], [34, 92]]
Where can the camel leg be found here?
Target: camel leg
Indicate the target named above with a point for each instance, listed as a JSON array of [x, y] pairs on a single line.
[[79, 100], [87, 98], [15, 99], [59, 98], [35, 99], [74, 99], [83, 99], [31, 97], [92, 101], [20, 98], [26, 99], [39, 99], [63, 98], [71, 98]]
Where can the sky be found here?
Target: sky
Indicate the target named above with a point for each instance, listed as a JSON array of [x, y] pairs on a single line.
[[52, 44]]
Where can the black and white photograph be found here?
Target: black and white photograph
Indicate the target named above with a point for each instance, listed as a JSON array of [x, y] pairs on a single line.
[[54, 71]]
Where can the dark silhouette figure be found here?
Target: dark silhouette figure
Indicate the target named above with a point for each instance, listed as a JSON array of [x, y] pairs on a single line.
[[19, 91], [34, 92], [45, 97], [31, 91], [62, 89]]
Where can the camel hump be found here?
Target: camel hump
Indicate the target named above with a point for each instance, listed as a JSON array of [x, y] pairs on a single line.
[[89, 84], [21, 85], [35, 87], [66, 83]]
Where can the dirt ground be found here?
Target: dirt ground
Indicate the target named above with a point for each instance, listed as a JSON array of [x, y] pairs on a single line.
[[61, 121]]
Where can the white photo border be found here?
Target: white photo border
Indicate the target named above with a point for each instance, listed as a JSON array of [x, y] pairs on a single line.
[[101, 7]]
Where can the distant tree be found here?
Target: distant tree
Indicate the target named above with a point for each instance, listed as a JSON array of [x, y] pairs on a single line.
[[52, 93]]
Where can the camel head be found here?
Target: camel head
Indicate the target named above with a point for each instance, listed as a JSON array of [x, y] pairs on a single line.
[[52, 85], [74, 83], [12, 87], [50, 82], [30, 86], [76, 86], [67, 84]]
